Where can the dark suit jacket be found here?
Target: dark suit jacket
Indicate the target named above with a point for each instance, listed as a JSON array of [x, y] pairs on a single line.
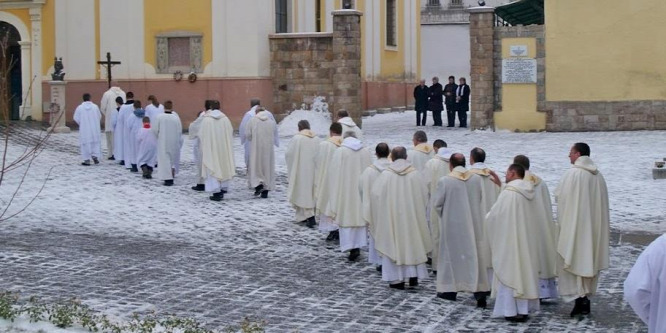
[[463, 104], [450, 87], [435, 103], [421, 95]]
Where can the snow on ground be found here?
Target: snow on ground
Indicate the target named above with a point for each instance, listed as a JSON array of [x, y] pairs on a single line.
[[124, 244]]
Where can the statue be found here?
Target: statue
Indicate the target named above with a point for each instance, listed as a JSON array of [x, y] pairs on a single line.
[[58, 73]]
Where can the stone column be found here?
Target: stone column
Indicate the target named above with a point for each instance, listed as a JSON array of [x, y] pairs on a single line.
[[481, 34], [58, 107], [36, 62], [347, 62], [26, 101]]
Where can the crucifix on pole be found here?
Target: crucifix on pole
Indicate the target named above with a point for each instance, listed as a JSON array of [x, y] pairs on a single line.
[[108, 63]]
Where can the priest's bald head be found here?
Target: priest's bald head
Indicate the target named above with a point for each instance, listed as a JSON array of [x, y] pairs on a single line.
[[303, 125], [477, 155], [515, 171], [419, 137], [579, 149], [398, 153], [335, 129], [456, 160], [522, 160], [382, 150]]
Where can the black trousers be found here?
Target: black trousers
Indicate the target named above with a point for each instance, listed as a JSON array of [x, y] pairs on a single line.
[[451, 114], [462, 118], [421, 117], [437, 117]]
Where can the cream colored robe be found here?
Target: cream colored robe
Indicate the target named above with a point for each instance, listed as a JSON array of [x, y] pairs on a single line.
[[368, 179], [193, 131], [348, 163], [435, 169], [322, 186], [490, 193], [547, 229], [260, 134], [420, 155], [300, 157], [348, 125], [109, 107], [217, 149], [460, 266], [583, 216], [169, 132], [511, 226], [400, 230]]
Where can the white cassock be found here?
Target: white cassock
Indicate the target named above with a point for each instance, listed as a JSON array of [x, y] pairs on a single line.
[[109, 109], [322, 184], [217, 151], [132, 125], [119, 131], [300, 157], [169, 132], [511, 226], [146, 147], [242, 132], [546, 236], [399, 197], [344, 207], [88, 116], [348, 125], [368, 178], [260, 133], [460, 264], [644, 287], [583, 217], [490, 193], [435, 169], [419, 155], [153, 111], [193, 131]]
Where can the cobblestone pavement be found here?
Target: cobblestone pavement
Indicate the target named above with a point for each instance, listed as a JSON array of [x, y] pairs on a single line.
[[125, 245]]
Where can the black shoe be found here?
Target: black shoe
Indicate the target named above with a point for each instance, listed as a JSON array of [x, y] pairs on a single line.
[[585, 306], [578, 307], [399, 286], [264, 194], [517, 319], [95, 160], [333, 235], [311, 222], [199, 187], [258, 190], [122, 162], [481, 303], [168, 182], [413, 282], [134, 168], [449, 296], [379, 268], [217, 196], [86, 163], [111, 158], [354, 254]]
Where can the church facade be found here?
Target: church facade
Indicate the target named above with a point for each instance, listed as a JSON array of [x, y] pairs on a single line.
[[189, 51]]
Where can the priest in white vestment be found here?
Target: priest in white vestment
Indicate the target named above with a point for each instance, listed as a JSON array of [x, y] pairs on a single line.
[[110, 111], [260, 133], [119, 131], [132, 125], [511, 225], [169, 132], [583, 217], [461, 265], [217, 152], [645, 287], [368, 178], [546, 234], [193, 131], [348, 124], [344, 207], [254, 104], [153, 109], [146, 149], [300, 156], [399, 198], [88, 117], [322, 184], [422, 152], [435, 169]]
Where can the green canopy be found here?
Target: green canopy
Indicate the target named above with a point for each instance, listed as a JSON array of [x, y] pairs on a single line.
[[523, 12]]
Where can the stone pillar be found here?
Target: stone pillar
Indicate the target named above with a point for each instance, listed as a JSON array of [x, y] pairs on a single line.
[[347, 63], [26, 101], [36, 62], [481, 34], [58, 109]]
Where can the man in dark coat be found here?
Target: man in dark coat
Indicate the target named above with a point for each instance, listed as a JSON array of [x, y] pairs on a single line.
[[436, 104], [462, 101], [450, 101], [421, 93]]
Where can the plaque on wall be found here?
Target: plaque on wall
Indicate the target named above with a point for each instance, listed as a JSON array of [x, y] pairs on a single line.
[[518, 50], [519, 70]]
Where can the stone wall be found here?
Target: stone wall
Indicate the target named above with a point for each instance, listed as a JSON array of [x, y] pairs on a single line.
[[571, 116], [481, 31]]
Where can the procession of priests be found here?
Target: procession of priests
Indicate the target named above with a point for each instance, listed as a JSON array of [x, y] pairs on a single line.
[[423, 212]]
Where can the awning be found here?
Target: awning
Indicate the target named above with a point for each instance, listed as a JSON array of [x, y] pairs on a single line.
[[523, 12]]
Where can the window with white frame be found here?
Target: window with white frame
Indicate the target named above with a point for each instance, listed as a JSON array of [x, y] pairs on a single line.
[[391, 23]]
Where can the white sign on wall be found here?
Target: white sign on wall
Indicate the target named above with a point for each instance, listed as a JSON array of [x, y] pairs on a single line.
[[518, 50], [519, 70]]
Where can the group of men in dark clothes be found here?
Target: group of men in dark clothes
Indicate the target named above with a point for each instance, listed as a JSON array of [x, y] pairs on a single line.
[[433, 98]]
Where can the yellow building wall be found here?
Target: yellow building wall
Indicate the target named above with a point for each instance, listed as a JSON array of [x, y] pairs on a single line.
[[519, 101], [48, 36], [393, 59], [609, 50], [172, 15]]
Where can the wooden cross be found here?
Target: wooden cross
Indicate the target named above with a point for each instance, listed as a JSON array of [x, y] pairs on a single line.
[[108, 63]]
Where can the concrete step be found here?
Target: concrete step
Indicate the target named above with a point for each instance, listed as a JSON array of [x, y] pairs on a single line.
[[383, 110], [369, 113]]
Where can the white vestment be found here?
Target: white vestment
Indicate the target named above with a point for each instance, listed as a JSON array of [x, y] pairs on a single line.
[[193, 131], [511, 226], [583, 217], [109, 109], [419, 155], [348, 125], [344, 207], [300, 157], [322, 184], [132, 126], [153, 111], [243, 128], [399, 197], [490, 193], [88, 116], [119, 132], [368, 178], [260, 133], [460, 264], [645, 287], [435, 169], [217, 151], [146, 147], [169, 131]]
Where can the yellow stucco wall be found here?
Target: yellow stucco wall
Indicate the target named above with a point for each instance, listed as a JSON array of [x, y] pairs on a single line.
[[519, 101], [393, 59], [48, 36], [609, 50], [172, 15]]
